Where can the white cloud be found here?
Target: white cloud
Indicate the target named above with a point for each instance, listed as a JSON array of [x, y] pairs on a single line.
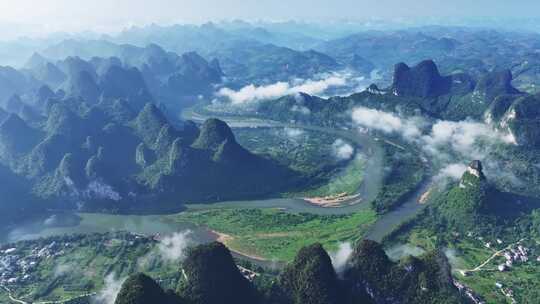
[[452, 144], [301, 109], [342, 150], [172, 248], [62, 269], [462, 136], [294, 133], [341, 257], [312, 87], [386, 122], [110, 290], [300, 105], [453, 171]]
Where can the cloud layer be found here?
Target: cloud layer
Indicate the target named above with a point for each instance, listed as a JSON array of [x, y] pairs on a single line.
[[386, 122], [450, 143], [341, 257], [312, 87], [110, 290], [172, 248], [342, 150], [453, 171]]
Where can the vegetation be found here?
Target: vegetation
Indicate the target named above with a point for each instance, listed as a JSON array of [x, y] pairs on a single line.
[[82, 154], [477, 224], [348, 181], [276, 234], [310, 153], [140, 289], [414, 280], [311, 278], [211, 277], [69, 267], [405, 173], [100, 134]]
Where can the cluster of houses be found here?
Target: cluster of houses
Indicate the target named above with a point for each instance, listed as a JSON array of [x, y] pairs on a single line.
[[515, 255], [17, 267]]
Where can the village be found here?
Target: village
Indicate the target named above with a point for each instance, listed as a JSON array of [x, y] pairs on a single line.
[[505, 260], [17, 267], [20, 263]]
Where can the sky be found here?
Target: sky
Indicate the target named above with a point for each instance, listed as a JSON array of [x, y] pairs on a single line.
[[44, 16]]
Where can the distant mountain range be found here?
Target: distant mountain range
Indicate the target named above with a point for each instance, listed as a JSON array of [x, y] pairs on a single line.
[[263, 53], [242, 61], [151, 73], [422, 89]]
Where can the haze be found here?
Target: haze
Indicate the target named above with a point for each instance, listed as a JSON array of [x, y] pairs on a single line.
[[30, 17]]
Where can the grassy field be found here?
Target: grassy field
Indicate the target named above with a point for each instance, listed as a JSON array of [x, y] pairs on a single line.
[[275, 234]]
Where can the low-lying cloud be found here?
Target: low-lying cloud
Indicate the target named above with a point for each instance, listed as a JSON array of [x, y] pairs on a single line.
[[325, 85], [462, 137], [62, 269], [170, 249], [342, 150], [294, 133], [173, 248], [452, 171], [453, 144], [110, 290], [341, 257], [386, 122], [312, 87]]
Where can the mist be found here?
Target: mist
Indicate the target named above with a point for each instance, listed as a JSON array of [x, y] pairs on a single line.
[[341, 257], [30, 17], [450, 144], [172, 248], [111, 288], [342, 150], [316, 86]]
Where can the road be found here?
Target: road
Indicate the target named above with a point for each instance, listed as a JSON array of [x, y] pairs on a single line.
[[496, 254]]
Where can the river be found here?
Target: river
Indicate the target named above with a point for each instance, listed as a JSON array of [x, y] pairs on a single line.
[[151, 224]]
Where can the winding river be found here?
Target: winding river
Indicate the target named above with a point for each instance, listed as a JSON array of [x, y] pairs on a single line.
[[151, 224]]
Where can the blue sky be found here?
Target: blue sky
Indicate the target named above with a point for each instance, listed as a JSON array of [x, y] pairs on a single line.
[[109, 15]]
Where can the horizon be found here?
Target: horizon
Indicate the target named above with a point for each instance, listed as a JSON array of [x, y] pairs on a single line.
[[24, 18]]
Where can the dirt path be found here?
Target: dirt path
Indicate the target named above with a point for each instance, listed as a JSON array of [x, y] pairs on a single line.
[[496, 254]]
